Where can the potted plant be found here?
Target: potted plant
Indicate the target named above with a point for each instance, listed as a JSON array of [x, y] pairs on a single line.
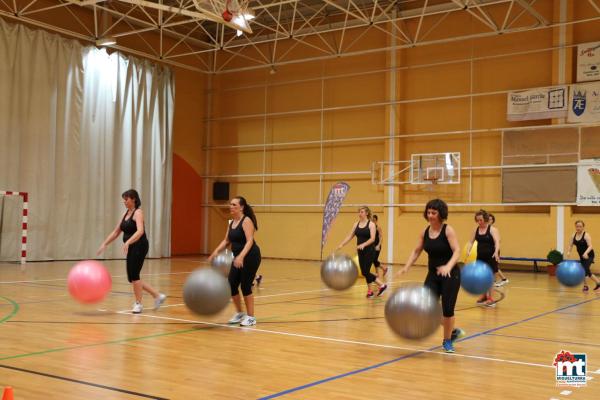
[[554, 257]]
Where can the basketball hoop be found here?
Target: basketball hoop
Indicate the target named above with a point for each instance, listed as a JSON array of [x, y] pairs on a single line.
[[431, 181]]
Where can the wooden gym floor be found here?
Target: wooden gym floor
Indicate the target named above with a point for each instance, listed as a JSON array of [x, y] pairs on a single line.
[[309, 343]]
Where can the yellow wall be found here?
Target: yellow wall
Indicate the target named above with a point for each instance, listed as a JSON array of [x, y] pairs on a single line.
[[348, 97]]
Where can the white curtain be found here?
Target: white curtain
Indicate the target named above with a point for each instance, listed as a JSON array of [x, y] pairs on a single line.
[[77, 128]]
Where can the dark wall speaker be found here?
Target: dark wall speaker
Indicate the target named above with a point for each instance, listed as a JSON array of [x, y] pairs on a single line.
[[220, 190]]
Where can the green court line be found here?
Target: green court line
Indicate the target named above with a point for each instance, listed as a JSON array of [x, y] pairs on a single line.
[[97, 344], [58, 349], [13, 312]]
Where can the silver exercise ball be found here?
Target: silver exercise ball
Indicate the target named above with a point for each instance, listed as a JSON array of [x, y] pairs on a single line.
[[339, 272], [222, 262], [413, 312], [206, 292]]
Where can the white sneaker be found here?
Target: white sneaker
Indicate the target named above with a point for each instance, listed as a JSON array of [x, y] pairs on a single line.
[[137, 308], [159, 300], [237, 318], [248, 321]]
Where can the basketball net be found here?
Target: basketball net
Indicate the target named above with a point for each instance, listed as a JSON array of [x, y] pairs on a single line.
[[432, 183]]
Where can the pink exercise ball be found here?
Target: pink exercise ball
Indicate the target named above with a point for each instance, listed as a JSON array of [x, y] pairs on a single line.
[[89, 281]]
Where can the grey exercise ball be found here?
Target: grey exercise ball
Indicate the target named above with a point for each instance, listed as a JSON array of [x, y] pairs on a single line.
[[413, 312], [206, 292], [339, 272]]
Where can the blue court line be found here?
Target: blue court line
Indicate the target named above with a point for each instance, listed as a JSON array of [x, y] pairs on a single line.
[[416, 353], [544, 340]]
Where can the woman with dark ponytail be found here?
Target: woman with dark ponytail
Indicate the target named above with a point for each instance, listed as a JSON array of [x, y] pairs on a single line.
[[135, 247], [240, 234]]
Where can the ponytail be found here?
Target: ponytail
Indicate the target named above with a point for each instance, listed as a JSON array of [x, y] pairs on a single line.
[[247, 210]]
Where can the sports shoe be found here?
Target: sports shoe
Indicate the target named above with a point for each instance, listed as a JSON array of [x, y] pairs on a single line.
[[381, 290], [457, 333], [137, 308], [369, 294], [237, 318], [597, 288], [490, 303], [258, 280], [159, 300], [448, 346], [585, 288], [482, 300], [501, 283], [248, 321]]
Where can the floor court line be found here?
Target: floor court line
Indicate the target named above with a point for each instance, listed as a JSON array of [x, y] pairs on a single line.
[[350, 373], [96, 385], [544, 340], [344, 341], [113, 276], [285, 294]]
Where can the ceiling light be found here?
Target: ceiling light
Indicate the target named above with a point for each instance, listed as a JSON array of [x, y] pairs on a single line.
[[106, 41]]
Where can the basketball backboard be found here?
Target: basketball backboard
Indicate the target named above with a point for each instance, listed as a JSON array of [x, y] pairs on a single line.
[[435, 168]]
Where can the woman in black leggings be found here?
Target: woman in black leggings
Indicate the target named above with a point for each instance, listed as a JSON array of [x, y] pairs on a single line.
[[583, 242], [441, 245], [365, 231], [379, 268], [135, 247], [240, 234], [488, 248]]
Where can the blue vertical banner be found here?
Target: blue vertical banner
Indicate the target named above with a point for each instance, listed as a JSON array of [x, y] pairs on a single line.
[[336, 197]]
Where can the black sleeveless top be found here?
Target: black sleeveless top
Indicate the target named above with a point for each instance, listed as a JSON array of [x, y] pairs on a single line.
[[129, 228], [485, 244], [237, 238], [363, 234], [582, 246], [438, 249]]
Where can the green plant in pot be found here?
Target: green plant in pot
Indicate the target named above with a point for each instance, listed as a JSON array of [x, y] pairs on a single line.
[[554, 257]]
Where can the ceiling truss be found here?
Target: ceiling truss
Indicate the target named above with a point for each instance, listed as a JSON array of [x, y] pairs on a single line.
[[192, 33]]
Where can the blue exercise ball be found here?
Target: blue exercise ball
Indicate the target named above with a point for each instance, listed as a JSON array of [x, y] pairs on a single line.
[[570, 273], [477, 277]]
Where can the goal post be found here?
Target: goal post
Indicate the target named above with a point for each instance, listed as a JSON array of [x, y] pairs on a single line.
[[24, 215]]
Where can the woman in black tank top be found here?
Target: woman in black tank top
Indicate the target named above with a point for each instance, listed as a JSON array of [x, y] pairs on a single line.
[[240, 235], [443, 277], [365, 232], [381, 269], [488, 247], [135, 247], [583, 242]]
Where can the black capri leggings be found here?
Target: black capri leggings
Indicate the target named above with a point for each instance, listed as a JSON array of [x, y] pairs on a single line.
[[365, 259], [245, 276], [587, 266], [376, 262], [135, 259], [491, 261], [446, 287]]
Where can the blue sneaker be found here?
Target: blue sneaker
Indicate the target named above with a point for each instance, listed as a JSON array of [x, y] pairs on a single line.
[[457, 333], [447, 345]]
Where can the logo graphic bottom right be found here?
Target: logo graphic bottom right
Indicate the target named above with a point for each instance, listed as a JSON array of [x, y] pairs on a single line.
[[571, 369]]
